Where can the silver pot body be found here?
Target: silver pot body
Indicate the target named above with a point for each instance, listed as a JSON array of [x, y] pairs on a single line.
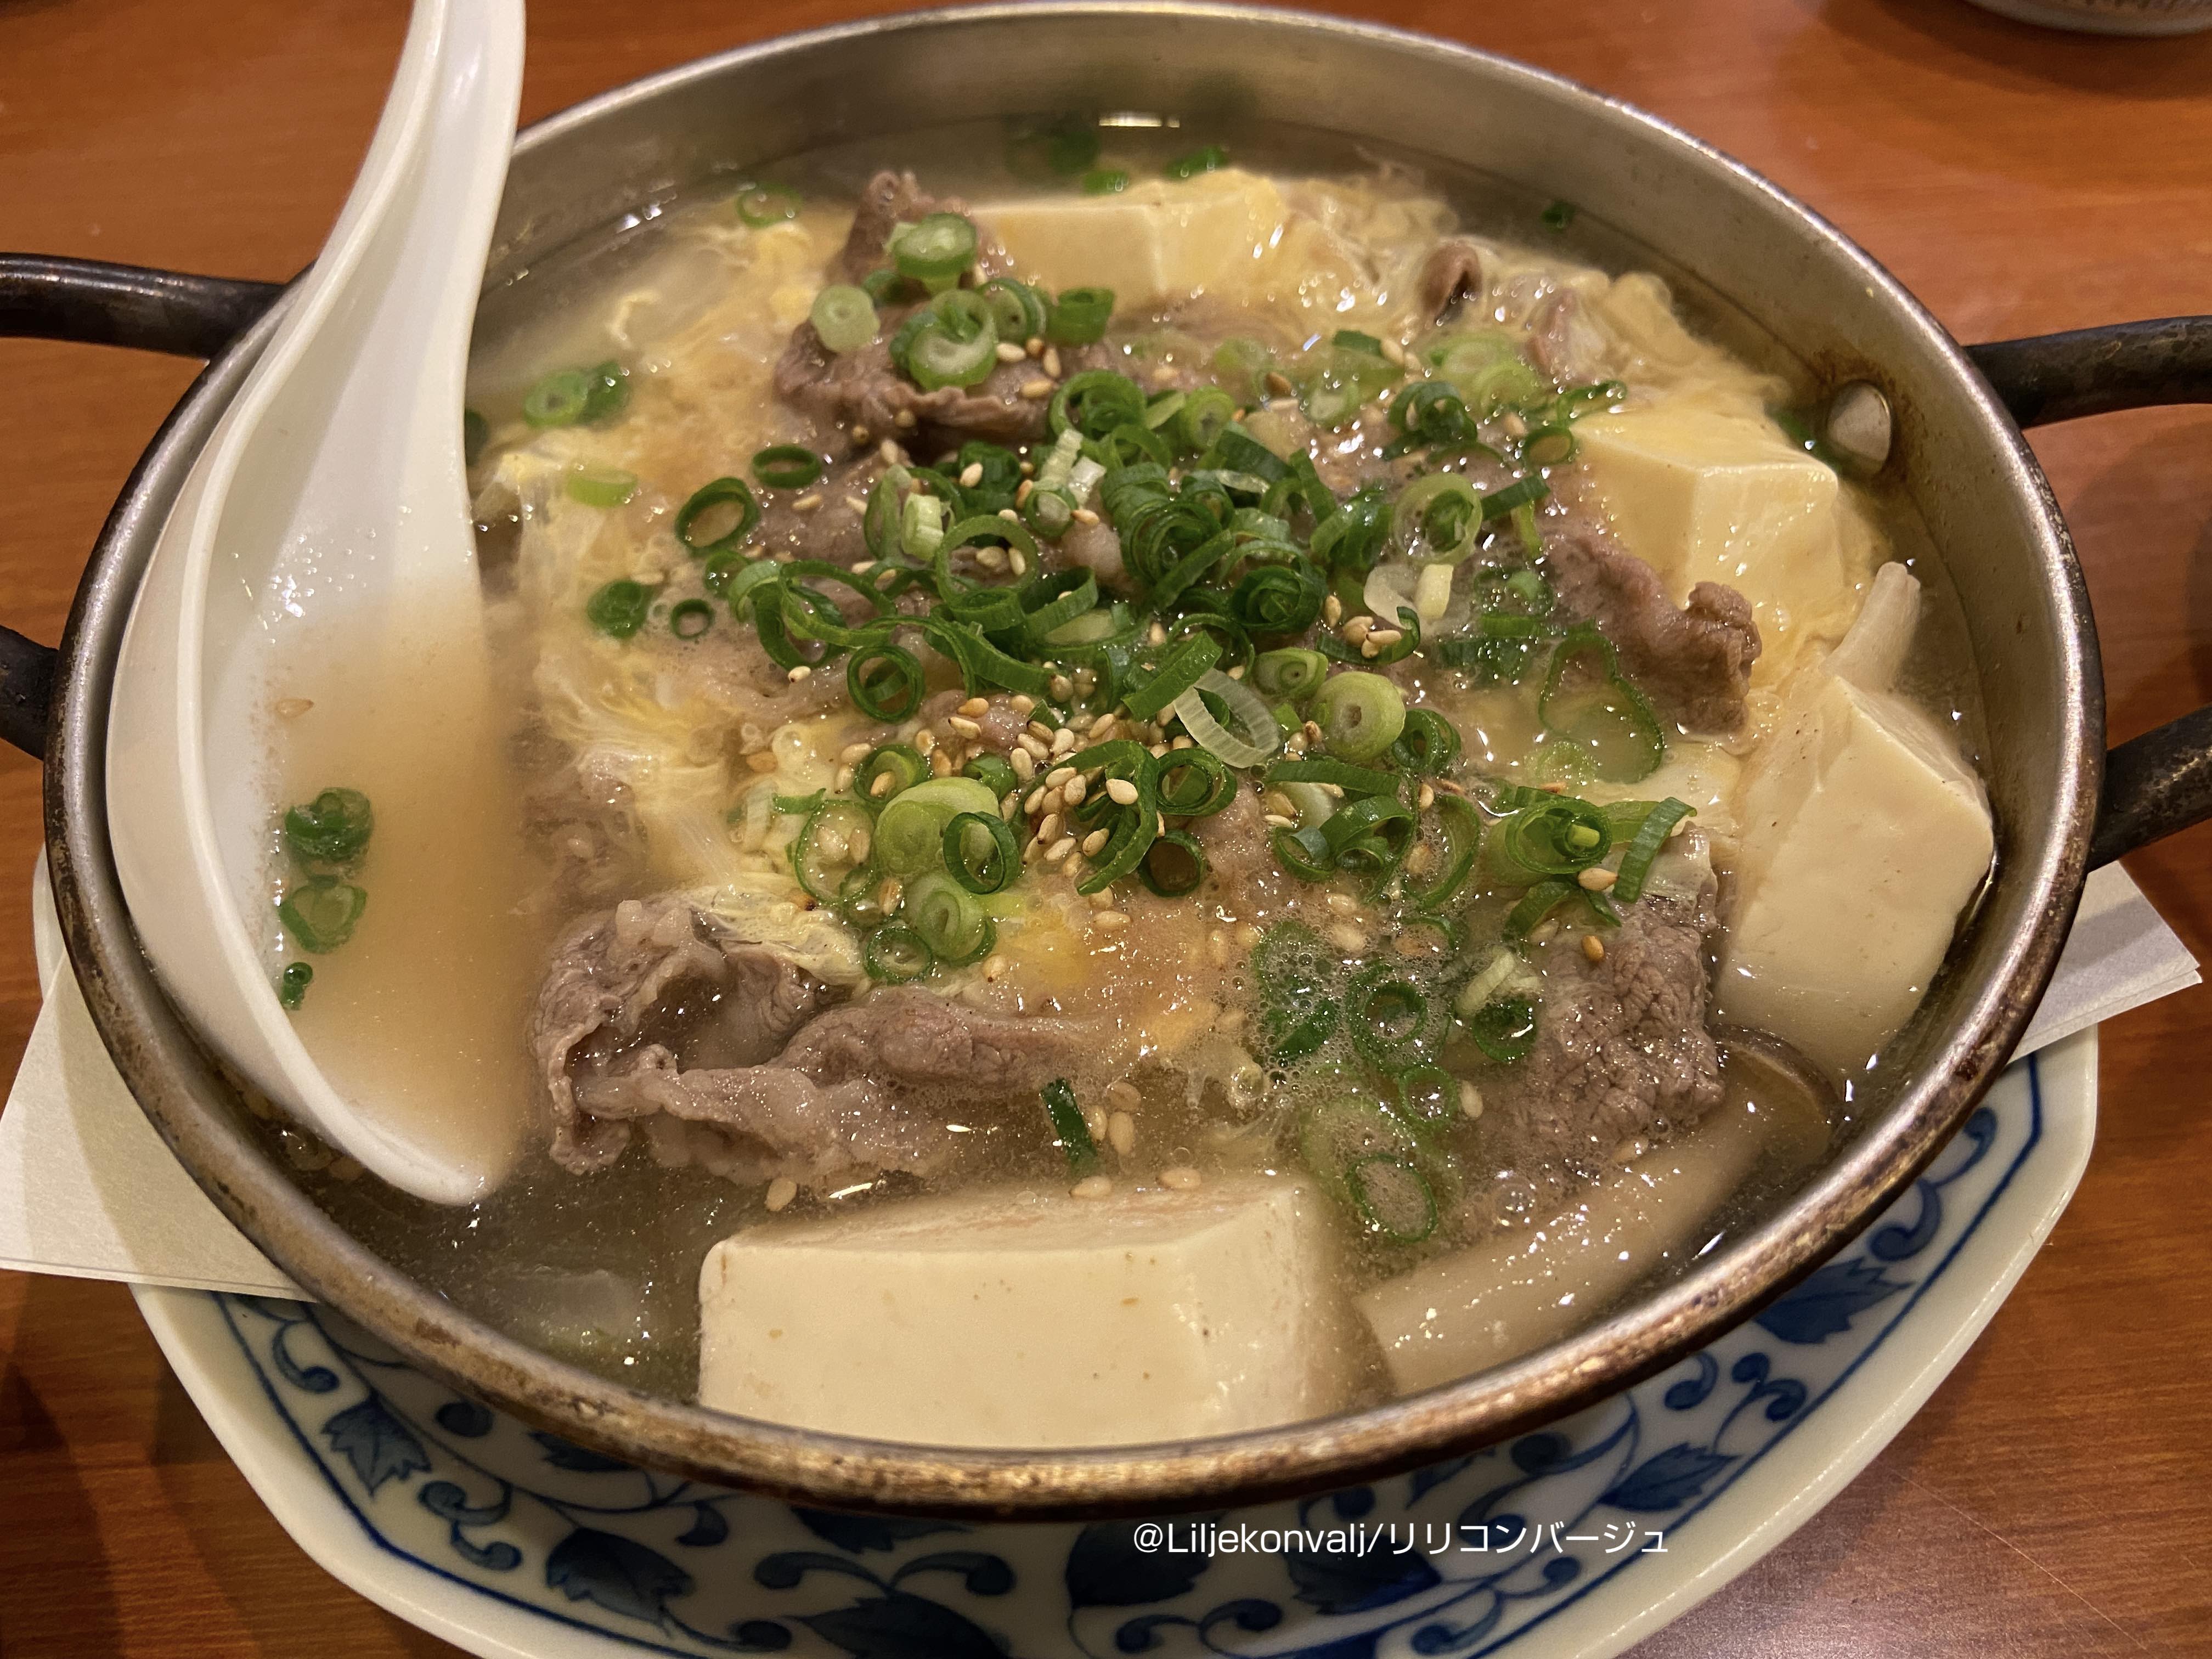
[[1957, 455]]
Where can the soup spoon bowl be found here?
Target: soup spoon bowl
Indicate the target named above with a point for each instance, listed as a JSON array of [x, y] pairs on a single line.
[[323, 543]]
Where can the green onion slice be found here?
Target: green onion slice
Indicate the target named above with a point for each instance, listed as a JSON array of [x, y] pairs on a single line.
[[606, 392], [1292, 674], [1428, 1096], [1298, 978], [292, 985], [1393, 1022], [786, 466], [900, 762], [1360, 714], [1588, 703], [1174, 864], [938, 248], [831, 853], [979, 852], [895, 954], [1461, 824], [845, 317], [602, 486], [885, 682], [721, 493], [1393, 1198], [1074, 1135], [1429, 742], [334, 827], [1535, 904], [558, 399], [910, 831], [619, 608], [1078, 316], [1017, 308], [1356, 781], [1439, 518], [689, 618], [1256, 738], [1504, 1030], [1650, 836], [1181, 669], [319, 913], [950, 918], [1192, 783]]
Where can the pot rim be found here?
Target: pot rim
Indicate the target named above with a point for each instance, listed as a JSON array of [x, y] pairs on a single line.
[[193, 1108]]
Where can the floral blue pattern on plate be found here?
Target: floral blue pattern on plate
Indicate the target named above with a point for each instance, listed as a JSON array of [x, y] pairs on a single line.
[[1466, 1558]]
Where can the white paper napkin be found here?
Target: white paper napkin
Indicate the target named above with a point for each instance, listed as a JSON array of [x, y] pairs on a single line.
[[88, 1189]]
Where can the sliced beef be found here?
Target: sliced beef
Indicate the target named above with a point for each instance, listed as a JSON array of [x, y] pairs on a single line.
[[865, 388], [1564, 343], [629, 987], [1693, 663], [1237, 854], [1451, 274], [728, 1055], [1622, 1050], [831, 528]]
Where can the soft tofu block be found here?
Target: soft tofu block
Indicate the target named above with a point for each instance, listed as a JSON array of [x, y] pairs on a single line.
[[1703, 495], [1160, 240], [1863, 836], [1021, 1319]]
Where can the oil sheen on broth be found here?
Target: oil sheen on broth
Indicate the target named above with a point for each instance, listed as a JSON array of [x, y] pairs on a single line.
[[1160, 862]]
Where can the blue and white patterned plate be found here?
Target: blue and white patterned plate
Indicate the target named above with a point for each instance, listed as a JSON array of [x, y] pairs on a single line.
[[1575, 1540]]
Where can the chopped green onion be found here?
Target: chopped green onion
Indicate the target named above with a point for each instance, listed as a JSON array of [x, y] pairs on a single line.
[[955, 345], [1429, 742], [1428, 1096], [844, 317], [689, 618], [1588, 703], [830, 855], [1078, 316], [1105, 181], [881, 284], [895, 954], [1369, 837], [1205, 415], [910, 833], [937, 249], [900, 762], [1094, 403], [1293, 673], [1260, 736], [1535, 904], [1017, 308], [922, 526], [1504, 1030], [292, 985], [1521, 492], [558, 399], [321, 913], [1343, 777], [1462, 828], [1343, 1134], [885, 682], [619, 609], [1296, 978], [1074, 1135], [979, 852], [1548, 446], [950, 918], [602, 486], [1559, 215], [1393, 1023], [606, 392], [1439, 518], [1394, 1198], [1360, 714], [1557, 835], [1278, 599], [993, 772], [763, 205], [334, 827], [1650, 836], [722, 492], [1181, 669], [1174, 864], [1192, 783], [786, 466], [1210, 159]]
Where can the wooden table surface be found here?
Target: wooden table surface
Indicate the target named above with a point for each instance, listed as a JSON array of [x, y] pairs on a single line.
[[2055, 1497]]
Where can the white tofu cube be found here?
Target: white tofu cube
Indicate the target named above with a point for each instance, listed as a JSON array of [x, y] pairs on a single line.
[[1021, 1319], [1160, 240], [1708, 495], [1863, 836]]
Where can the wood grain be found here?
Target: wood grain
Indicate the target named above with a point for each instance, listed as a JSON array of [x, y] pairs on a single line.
[[2056, 1495]]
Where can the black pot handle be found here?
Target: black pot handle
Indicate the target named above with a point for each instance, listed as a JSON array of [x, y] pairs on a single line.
[[2160, 782], [94, 303]]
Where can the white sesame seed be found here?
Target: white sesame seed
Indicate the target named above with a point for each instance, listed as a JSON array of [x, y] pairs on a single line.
[[1124, 1096], [1058, 775], [890, 453], [1034, 345], [1061, 688], [1095, 842], [941, 763], [1344, 905], [1544, 932], [1021, 704], [888, 891], [1426, 799], [853, 753], [1036, 390], [853, 503], [860, 437], [1332, 610], [905, 421], [1278, 383], [1047, 829], [1348, 938], [925, 740], [1184, 743], [1059, 849], [1370, 648], [1062, 741], [882, 786], [963, 725], [1092, 1187], [798, 673], [1011, 806], [1083, 515], [1121, 792], [1052, 361], [1182, 1178], [1277, 821], [1073, 791], [1121, 1133], [780, 1192], [1023, 490], [995, 968], [843, 780], [975, 706], [1421, 859], [1597, 878], [1112, 920], [1032, 745], [1470, 1100], [1386, 637], [1165, 374], [1593, 947], [1394, 352], [1009, 352], [1159, 635], [1102, 899], [1356, 629], [807, 502], [1017, 561], [1022, 762]]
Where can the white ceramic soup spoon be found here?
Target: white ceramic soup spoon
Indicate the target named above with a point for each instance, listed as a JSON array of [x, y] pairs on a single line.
[[312, 618]]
